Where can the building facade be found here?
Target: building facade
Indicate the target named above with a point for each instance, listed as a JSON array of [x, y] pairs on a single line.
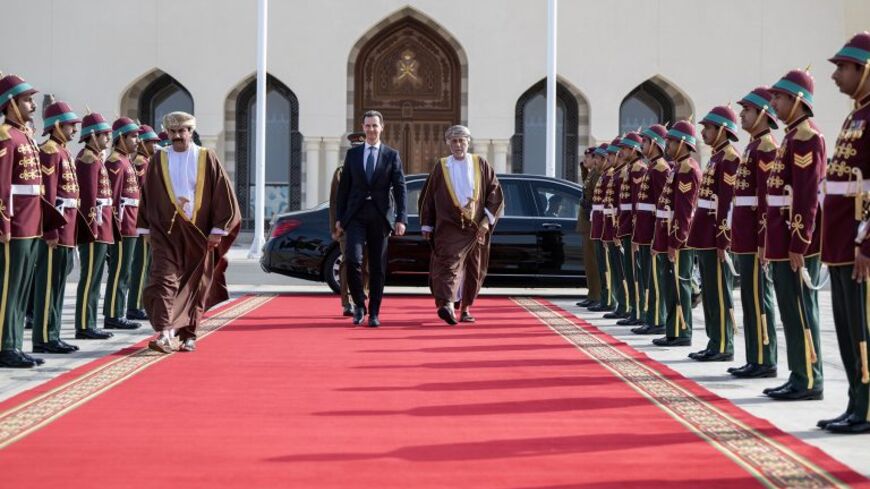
[[426, 65]]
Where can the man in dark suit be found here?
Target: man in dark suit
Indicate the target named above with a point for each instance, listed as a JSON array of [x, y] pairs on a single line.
[[371, 171]]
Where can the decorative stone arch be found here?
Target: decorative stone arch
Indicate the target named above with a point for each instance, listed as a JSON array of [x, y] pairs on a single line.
[[235, 141], [136, 99], [683, 105], [577, 133]]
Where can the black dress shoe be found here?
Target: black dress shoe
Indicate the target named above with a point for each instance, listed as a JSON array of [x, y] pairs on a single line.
[[69, 345], [665, 341], [374, 322], [14, 359], [54, 346], [28, 321], [93, 334], [36, 360], [756, 372], [793, 394], [347, 311], [586, 303], [716, 357], [446, 315], [600, 308], [695, 355], [615, 315], [627, 322], [466, 317], [731, 370], [852, 425], [823, 423], [649, 329], [777, 388], [119, 323], [136, 315], [359, 312]]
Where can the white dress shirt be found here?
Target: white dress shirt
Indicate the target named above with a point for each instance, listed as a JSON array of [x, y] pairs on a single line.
[[461, 174]]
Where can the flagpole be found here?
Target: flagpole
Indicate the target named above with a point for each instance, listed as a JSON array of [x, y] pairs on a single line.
[[260, 195], [551, 87]]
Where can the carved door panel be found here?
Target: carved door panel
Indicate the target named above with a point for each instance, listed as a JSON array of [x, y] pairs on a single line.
[[411, 74]]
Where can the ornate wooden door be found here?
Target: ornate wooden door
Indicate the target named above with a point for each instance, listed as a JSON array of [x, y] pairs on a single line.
[[412, 75]]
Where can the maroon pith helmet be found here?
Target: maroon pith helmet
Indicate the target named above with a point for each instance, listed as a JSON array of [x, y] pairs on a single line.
[[724, 117], [58, 113], [684, 131], [12, 86], [799, 84], [633, 141], [760, 99], [147, 134], [94, 123], [857, 50], [124, 125], [656, 133], [164, 139]]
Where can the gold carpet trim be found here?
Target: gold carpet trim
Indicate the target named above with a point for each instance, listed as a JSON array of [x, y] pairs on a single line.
[[21, 420], [772, 463]]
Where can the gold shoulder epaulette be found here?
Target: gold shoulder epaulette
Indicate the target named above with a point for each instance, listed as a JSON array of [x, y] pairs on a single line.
[[767, 143], [49, 147], [662, 165], [805, 131], [685, 166], [731, 153], [4, 132], [88, 156], [638, 165], [114, 157]]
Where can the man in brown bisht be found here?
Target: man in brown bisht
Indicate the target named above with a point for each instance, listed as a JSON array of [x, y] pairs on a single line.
[[459, 205], [191, 216]]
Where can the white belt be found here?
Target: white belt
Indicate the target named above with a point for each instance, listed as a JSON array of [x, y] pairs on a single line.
[[779, 200], [598, 207], [661, 214], [625, 207], [707, 204], [746, 201], [845, 187], [609, 211], [103, 202], [63, 203], [126, 202], [646, 207], [27, 189]]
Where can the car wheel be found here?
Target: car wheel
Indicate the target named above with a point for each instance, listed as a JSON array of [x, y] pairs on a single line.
[[332, 270]]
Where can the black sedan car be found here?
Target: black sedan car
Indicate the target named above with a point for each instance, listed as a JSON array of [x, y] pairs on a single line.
[[535, 243]]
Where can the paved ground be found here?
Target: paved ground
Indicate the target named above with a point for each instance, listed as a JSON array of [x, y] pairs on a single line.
[[796, 418]]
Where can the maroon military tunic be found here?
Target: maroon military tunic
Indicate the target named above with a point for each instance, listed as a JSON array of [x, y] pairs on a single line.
[[749, 204], [125, 193], [95, 199], [664, 211], [649, 191], [609, 229], [20, 204], [61, 189], [140, 165], [597, 218], [632, 175], [793, 193], [710, 224], [685, 188]]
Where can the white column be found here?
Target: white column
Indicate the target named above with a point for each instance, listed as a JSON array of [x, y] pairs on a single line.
[[551, 87], [330, 150], [260, 199], [312, 170], [500, 150]]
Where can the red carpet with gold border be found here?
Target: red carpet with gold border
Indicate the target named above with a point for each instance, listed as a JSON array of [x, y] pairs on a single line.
[[283, 393]]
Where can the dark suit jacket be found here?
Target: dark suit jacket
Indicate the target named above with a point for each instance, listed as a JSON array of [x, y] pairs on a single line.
[[354, 189]]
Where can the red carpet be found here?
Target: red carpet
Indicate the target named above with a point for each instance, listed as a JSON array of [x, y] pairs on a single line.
[[291, 396]]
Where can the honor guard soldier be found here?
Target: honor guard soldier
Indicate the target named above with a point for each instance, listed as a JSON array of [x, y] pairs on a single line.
[[747, 236], [633, 170], [56, 250], [845, 249], [94, 229], [590, 177], [618, 285], [710, 236], [605, 303], [683, 195], [164, 139], [792, 234], [125, 208], [148, 145], [20, 216], [650, 269]]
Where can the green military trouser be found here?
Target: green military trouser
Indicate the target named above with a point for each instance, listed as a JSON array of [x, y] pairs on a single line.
[[657, 306], [631, 289], [603, 261], [120, 258], [799, 310], [716, 283], [17, 265], [593, 279], [678, 293], [759, 317], [850, 300], [92, 259], [617, 278], [53, 266], [642, 279], [139, 273]]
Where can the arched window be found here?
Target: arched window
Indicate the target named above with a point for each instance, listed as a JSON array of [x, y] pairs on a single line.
[[283, 149], [162, 96], [644, 106], [528, 145]]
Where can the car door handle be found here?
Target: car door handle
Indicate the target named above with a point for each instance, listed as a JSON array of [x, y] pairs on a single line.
[[551, 225]]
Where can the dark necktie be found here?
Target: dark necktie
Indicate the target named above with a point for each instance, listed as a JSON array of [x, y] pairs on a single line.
[[370, 163]]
